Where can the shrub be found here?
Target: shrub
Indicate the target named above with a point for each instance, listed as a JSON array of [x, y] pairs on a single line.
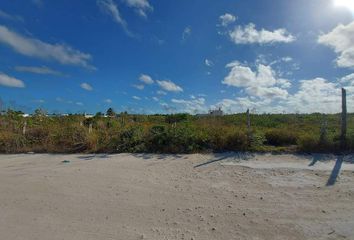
[[129, 140], [71, 139], [11, 142], [280, 137]]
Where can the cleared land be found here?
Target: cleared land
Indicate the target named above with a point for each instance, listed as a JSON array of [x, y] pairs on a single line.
[[142, 196]]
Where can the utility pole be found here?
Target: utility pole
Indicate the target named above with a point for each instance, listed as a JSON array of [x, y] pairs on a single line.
[[344, 119]]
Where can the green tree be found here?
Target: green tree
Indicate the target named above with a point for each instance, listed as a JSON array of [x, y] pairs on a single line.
[[110, 112]]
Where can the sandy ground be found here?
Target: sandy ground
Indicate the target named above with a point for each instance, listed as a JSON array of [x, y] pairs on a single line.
[[226, 196]]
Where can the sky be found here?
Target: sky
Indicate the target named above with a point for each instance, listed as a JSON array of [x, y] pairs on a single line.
[[165, 56]]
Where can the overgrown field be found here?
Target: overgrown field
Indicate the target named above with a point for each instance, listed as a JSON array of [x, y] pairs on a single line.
[[179, 133]]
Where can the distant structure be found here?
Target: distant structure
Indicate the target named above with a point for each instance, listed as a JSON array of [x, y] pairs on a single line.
[[216, 112], [213, 112], [88, 115]]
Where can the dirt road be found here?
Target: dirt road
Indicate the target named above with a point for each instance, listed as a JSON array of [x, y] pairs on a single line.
[[142, 196]]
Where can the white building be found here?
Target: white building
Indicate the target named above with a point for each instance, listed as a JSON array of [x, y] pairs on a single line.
[[216, 112]]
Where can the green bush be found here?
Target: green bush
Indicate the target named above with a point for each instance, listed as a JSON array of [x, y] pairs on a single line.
[[280, 137], [11, 142], [71, 139]]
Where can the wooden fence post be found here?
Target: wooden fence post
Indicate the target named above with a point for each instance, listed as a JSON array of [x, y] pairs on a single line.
[[249, 134], [90, 128], [24, 128], [344, 119]]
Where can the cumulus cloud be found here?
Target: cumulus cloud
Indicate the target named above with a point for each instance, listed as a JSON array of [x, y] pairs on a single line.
[[146, 79], [136, 98], [250, 35], [7, 81], [32, 47], [349, 79], [86, 86], [37, 70], [241, 104], [341, 40], [159, 92], [141, 6], [139, 86], [111, 8], [169, 86], [227, 19], [263, 82], [313, 95], [108, 101], [316, 95], [192, 105]]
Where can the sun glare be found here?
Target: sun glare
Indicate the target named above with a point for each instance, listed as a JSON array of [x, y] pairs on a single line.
[[345, 3]]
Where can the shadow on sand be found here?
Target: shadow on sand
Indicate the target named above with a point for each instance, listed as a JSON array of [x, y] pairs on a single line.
[[335, 172], [229, 156], [94, 156], [337, 166]]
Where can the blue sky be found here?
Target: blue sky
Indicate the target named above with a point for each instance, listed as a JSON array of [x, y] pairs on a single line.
[[164, 56]]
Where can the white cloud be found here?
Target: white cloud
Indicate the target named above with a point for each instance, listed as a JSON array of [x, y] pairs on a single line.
[[241, 104], [7, 81], [227, 19], [141, 6], [136, 98], [37, 70], [284, 83], [341, 39], [139, 86], [86, 86], [110, 8], [146, 79], [155, 99], [8, 16], [316, 95], [287, 59], [250, 35], [32, 47], [79, 103], [348, 79], [159, 92], [262, 83], [208, 63], [192, 105], [109, 101], [186, 33], [169, 86]]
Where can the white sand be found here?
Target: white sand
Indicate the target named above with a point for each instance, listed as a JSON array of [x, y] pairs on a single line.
[[156, 197]]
